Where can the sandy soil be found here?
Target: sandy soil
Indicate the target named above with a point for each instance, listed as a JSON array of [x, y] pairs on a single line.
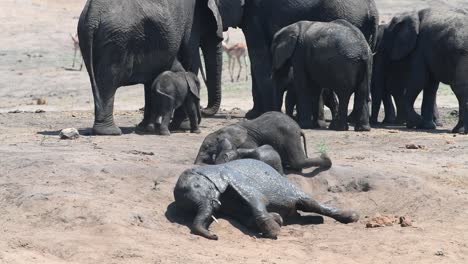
[[109, 199]]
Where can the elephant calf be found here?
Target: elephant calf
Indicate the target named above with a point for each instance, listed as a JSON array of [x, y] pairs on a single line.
[[172, 90], [249, 191], [331, 55], [265, 153], [272, 128]]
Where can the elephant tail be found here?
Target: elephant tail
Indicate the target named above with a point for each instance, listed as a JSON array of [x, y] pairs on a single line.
[[86, 33], [305, 144]]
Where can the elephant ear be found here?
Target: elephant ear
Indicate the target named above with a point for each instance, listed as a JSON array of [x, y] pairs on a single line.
[[193, 84], [219, 22], [284, 44], [403, 35]]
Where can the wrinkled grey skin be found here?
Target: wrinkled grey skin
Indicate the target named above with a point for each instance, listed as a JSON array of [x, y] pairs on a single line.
[[251, 192], [129, 42], [436, 44], [265, 153], [273, 128], [261, 19], [388, 80], [173, 90], [284, 80], [333, 55]]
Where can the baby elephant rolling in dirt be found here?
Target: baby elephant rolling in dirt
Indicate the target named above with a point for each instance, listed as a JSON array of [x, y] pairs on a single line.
[[249, 191], [172, 90], [272, 128], [265, 153]]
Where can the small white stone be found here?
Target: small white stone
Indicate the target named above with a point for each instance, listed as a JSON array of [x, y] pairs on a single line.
[[69, 133]]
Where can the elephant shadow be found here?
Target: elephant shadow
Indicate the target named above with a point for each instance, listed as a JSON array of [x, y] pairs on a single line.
[[311, 174], [85, 131], [405, 129]]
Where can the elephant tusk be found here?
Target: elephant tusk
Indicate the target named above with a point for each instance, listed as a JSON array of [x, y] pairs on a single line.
[[214, 218]]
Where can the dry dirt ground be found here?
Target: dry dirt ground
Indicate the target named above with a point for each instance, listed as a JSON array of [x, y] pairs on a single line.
[[109, 199]]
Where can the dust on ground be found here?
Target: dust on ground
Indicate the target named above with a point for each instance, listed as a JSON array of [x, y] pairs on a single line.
[[108, 199]]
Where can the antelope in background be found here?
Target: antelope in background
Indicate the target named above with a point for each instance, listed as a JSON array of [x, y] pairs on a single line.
[[76, 47], [236, 51]]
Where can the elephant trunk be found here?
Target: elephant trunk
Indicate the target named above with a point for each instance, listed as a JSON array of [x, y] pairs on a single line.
[[202, 221], [213, 56]]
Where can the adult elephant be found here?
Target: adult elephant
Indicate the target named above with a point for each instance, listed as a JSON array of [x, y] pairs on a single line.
[[436, 44], [261, 19], [389, 77], [129, 42]]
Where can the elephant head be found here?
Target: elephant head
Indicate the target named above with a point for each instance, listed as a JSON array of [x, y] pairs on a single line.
[[401, 35], [214, 144], [226, 152], [199, 195]]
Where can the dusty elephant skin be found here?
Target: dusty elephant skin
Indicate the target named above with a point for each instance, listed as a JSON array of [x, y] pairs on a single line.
[[130, 42], [265, 153], [249, 191], [173, 90], [273, 128], [332, 55]]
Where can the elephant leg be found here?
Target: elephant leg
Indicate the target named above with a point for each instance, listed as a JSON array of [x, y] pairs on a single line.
[[312, 206], [331, 102], [147, 124], [389, 109], [318, 119], [303, 99], [418, 80], [257, 106], [460, 92], [361, 106], [177, 120], [401, 109], [427, 110], [340, 123], [191, 111], [166, 105], [437, 119], [295, 158]]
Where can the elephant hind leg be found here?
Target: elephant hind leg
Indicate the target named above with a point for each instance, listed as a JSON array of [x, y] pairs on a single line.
[[429, 100], [311, 206], [297, 159], [340, 123], [462, 125]]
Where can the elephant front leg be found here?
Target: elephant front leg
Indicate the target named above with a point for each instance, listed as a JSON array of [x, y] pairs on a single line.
[[427, 110]]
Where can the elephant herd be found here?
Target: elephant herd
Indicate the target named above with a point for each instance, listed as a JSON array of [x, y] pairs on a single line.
[[319, 52]]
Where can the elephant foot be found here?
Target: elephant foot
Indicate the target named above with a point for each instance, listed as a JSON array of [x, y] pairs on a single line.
[[458, 129], [183, 126], [106, 130], [339, 126], [426, 125], [414, 121], [309, 124], [269, 226], [374, 121], [399, 121], [195, 131], [326, 161], [145, 127], [164, 131], [347, 217], [362, 127], [388, 121], [252, 114], [278, 219]]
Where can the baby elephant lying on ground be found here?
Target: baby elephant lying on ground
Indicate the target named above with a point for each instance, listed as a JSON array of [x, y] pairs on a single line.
[[265, 153], [273, 128], [172, 90], [249, 191]]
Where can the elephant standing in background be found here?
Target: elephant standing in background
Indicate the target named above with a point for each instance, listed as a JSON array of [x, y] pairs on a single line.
[[333, 55], [249, 191], [389, 79], [129, 42], [436, 44], [261, 19], [273, 128]]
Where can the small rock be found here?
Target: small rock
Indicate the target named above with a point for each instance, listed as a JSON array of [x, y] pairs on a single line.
[[38, 111], [440, 253], [69, 133], [41, 101], [414, 146]]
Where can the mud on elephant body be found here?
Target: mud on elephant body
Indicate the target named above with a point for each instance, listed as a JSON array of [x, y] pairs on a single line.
[[273, 128], [249, 191]]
